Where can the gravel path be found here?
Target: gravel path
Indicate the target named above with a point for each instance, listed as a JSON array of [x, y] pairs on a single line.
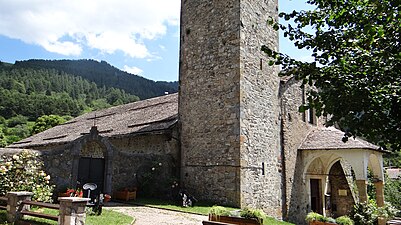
[[152, 216]]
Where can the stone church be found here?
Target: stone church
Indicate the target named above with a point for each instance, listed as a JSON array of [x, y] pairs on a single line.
[[232, 135]]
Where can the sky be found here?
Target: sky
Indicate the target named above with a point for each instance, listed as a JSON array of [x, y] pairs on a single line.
[[137, 36]]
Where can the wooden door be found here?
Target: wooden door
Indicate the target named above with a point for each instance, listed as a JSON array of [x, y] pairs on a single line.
[[316, 196], [91, 170]]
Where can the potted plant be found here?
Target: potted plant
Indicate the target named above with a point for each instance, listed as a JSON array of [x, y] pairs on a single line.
[[344, 220], [70, 192], [247, 216], [316, 219]]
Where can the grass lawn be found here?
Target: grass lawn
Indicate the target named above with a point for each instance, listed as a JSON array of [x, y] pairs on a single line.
[[107, 217], [199, 208]]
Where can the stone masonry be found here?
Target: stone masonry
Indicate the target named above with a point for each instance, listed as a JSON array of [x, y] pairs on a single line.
[[228, 104]]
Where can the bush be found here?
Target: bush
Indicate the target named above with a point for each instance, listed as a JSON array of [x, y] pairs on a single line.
[[257, 214], [24, 172], [364, 213], [344, 220], [312, 216], [219, 211], [392, 193]]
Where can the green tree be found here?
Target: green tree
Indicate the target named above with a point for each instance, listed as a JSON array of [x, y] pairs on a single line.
[[356, 46], [46, 122]]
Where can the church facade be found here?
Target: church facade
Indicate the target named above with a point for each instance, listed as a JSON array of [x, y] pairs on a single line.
[[232, 135]]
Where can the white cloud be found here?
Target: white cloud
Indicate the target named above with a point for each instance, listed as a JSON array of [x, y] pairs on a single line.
[[67, 26], [133, 70]]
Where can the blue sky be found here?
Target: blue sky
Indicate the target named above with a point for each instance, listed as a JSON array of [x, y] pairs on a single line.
[[138, 36]]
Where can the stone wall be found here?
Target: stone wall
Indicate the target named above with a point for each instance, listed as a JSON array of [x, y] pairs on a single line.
[[132, 157], [228, 104], [144, 159], [259, 110], [341, 203], [209, 99], [294, 128]]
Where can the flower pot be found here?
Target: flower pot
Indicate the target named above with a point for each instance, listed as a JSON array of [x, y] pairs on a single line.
[[234, 220], [320, 223], [125, 195], [63, 194], [107, 198]]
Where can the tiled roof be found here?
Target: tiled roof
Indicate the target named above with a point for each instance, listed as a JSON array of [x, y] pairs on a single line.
[[394, 173], [330, 138], [149, 115]]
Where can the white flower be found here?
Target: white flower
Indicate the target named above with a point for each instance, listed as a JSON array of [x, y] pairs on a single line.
[[160, 164], [16, 157], [153, 168], [47, 177], [3, 169]]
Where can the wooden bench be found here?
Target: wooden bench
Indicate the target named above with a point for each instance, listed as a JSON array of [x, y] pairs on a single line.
[[3, 199], [38, 214]]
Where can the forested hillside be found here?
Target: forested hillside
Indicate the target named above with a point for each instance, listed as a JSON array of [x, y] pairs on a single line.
[[36, 94], [103, 74]]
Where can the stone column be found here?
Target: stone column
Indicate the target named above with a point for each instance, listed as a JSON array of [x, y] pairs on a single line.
[[72, 210], [362, 190], [379, 193], [14, 203]]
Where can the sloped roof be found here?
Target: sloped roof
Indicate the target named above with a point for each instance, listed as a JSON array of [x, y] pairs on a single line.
[[394, 173], [330, 138], [149, 115]]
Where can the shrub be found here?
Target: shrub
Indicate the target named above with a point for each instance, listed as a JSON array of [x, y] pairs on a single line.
[[344, 220], [392, 192], [219, 211], [257, 214], [24, 172], [364, 213], [312, 216]]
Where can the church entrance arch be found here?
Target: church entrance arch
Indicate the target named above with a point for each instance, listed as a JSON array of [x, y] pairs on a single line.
[[93, 162], [91, 166]]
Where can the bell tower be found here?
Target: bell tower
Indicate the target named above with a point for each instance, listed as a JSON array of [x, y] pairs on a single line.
[[228, 103]]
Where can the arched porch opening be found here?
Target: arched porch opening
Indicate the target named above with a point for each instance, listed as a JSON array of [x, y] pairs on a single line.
[[348, 169]]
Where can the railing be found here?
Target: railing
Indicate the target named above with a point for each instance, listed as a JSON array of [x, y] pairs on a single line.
[[38, 214], [71, 209], [3, 199]]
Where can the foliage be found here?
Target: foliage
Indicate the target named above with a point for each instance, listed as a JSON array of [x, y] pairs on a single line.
[[364, 213], [312, 216], [103, 74], [257, 214], [47, 121], [368, 213], [23, 172], [356, 64], [392, 193], [392, 159], [219, 211], [344, 220]]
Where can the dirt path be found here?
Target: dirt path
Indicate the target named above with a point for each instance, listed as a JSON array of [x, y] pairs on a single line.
[[151, 216]]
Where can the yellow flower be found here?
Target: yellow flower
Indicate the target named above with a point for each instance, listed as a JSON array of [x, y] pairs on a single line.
[[16, 157], [47, 177]]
